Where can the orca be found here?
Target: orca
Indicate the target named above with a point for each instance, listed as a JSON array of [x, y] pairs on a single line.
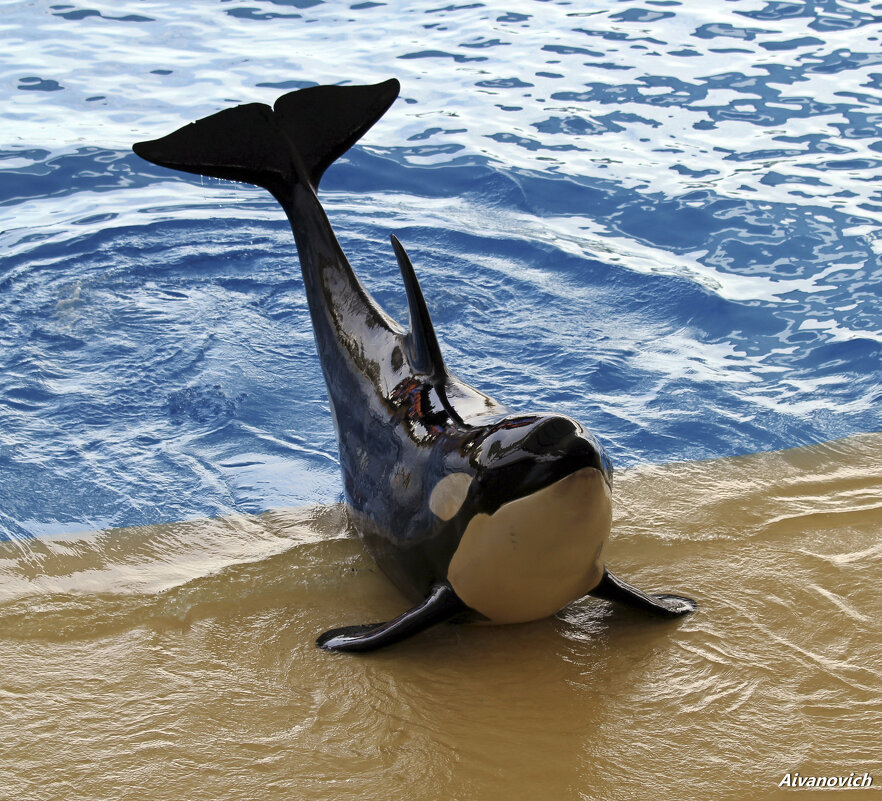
[[474, 511]]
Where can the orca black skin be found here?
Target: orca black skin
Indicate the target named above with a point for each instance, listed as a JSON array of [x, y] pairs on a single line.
[[473, 511]]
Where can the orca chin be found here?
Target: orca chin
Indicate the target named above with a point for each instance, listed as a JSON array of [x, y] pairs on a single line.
[[473, 511], [535, 554]]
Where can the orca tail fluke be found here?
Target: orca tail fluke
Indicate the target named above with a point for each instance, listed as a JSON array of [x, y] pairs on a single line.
[[323, 122], [241, 144], [297, 140]]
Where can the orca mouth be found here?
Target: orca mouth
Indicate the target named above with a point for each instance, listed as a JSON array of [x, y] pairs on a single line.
[[526, 476]]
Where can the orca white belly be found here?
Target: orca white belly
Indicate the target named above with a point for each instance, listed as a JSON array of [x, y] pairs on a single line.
[[536, 554]]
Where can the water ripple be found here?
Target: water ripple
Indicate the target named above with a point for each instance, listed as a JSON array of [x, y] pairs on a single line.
[[663, 221]]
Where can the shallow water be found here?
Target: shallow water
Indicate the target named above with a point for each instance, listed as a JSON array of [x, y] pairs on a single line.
[[121, 682], [662, 219]]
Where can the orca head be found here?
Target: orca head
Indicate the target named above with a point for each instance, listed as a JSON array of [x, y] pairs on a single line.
[[535, 518], [522, 454]]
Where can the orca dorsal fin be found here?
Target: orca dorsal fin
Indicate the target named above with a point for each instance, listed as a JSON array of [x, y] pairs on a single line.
[[425, 354]]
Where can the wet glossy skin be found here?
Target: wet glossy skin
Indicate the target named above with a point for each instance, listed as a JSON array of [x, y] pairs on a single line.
[[427, 460], [404, 422]]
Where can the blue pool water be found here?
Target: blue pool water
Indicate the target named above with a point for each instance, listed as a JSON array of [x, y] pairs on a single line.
[[664, 219]]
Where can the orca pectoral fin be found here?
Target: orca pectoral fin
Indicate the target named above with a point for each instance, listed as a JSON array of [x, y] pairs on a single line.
[[441, 604], [614, 589]]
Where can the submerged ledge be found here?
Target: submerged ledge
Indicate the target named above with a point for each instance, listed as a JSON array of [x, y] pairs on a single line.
[[775, 496]]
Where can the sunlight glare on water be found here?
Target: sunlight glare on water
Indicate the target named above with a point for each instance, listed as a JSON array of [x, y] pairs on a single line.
[[662, 219], [573, 185]]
